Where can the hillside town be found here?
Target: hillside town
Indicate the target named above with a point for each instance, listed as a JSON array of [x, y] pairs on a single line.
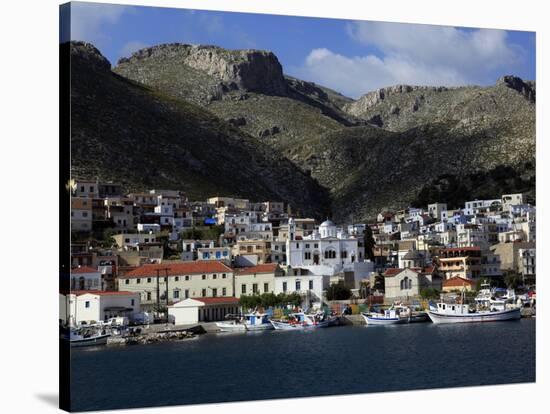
[[158, 251]]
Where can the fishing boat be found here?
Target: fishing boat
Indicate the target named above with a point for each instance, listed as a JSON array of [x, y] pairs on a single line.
[[390, 316], [249, 322], [301, 320], [78, 338], [231, 326], [463, 313], [457, 313], [257, 322]]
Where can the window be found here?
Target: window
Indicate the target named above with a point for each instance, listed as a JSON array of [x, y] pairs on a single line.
[[177, 279], [186, 277], [127, 282], [307, 245], [266, 287], [186, 293], [204, 293], [224, 292], [243, 289], [214, 292], [298, 285], [224, 276], [316, 245], [84, 214], [148, 280], [138, 280], [284, 287], [126, 240], [307, 255], [311, 285], [297, 245], [344, 254], [87, 304], [214, 276], [176, 294], [132, 302], [254, 288], [203, 277]]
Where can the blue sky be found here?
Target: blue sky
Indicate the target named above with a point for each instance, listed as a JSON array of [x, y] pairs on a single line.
[[352, 57]]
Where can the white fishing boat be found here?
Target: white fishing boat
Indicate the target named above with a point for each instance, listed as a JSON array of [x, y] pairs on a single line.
[[463, 313], [300, 320], [77, 338], [390, 316], [257, 322], [231, 326], [249, 322]]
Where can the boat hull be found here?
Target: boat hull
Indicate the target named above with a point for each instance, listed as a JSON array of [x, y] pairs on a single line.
[[506, 315], [420, 317], [259, 327], [92, 341], [375, 320], [285, 326], [230, 327]]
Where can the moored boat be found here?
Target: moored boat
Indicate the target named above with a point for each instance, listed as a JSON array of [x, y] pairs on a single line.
[[249, 322], [461, 313], [300, 320], [77, 338], [231, 326], [390, 316]]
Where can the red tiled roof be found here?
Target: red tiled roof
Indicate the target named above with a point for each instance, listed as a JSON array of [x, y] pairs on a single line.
[[396, 271], [84, 269], [392, 272], [217, 300], [261, 268], [102, 292], [456, 249], [458, 281], [183, 268]]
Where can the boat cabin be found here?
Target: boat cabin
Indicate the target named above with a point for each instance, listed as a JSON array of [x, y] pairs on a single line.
[[452, 308]]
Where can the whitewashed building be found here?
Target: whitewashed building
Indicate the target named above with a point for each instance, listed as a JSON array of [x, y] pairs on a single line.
[[79, 307], [323, 247], [194, 310]]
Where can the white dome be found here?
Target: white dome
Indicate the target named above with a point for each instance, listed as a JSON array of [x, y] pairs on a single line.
[[327, 223]]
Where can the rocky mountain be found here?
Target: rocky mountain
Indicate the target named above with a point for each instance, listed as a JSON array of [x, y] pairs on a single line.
[[391, 148], [125, 131], [244, 87]]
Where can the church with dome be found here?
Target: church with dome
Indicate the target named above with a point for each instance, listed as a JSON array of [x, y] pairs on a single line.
[[327, 246]]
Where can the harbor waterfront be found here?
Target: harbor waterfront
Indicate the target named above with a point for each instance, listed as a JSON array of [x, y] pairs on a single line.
[[280, 364]]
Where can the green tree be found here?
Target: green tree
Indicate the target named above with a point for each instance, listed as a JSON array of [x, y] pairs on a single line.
[[429, 293], [379, 282], [267, 300], [338, 291], [513, 280]]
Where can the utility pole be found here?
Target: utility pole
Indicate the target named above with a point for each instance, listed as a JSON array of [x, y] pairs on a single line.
[[158, 286], [166, 272]]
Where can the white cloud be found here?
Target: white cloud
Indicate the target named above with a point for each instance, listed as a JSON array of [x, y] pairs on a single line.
[[411, 54], [87, 20], [132, 47]]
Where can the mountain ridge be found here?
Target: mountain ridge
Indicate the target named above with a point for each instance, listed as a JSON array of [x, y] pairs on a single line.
[[386, 150]]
